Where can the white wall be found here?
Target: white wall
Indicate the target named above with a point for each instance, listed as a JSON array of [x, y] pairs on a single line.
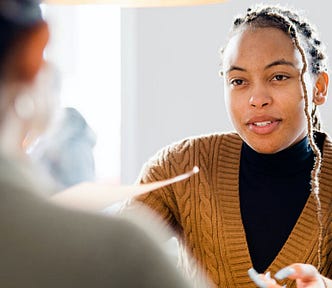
[[170, 63]]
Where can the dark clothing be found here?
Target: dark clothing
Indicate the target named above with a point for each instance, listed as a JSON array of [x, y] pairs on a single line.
[[273, 191]]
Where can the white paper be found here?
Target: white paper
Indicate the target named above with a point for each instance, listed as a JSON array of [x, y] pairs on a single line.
[[96, 196]]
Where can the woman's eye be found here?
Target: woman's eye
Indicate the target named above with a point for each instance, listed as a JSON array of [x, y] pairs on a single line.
[[280, 77], [236, 82]]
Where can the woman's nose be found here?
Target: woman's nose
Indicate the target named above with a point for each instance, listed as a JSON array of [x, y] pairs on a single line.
[[260, 98]]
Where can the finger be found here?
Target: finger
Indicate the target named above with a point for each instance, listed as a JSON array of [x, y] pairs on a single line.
[[295, 271], [254, 276], [261, 280]]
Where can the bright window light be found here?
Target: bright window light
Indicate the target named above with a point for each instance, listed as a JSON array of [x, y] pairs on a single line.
[[85, 47]]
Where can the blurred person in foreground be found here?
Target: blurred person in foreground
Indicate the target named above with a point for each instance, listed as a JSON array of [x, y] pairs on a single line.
[[44, 245]]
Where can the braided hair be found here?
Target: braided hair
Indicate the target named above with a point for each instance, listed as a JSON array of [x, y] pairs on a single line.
[[314, 60]]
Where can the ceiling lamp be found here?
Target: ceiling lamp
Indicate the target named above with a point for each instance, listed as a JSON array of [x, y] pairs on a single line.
[[136, 3]]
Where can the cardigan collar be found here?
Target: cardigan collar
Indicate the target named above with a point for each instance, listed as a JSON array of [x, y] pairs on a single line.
[[286, 162]]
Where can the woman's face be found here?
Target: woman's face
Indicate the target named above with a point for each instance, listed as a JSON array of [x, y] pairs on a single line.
[[263, 91]]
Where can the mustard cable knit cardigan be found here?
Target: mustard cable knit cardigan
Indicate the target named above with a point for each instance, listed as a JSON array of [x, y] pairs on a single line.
[[205, 211]]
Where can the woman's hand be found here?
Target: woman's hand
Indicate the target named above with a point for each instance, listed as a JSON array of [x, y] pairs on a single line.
[[306, 276]]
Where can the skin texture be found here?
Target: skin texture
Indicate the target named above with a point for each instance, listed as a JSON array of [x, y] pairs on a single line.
[[262, 71]]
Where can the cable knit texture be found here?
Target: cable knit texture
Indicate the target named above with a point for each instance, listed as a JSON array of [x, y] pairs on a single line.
[[205, 210]]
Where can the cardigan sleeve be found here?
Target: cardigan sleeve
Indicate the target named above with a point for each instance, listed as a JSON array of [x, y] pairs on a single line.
[[167, 163], [179, 204], [327, 248], [161, 201]]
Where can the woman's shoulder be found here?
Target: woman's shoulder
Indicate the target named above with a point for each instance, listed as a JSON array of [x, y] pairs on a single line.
[[186, 148], [194, 142], [324, 142]]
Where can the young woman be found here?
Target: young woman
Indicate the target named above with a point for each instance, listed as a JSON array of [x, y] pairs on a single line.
[[263, 195]]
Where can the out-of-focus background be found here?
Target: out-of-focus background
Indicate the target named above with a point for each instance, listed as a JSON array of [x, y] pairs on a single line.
[[146, 77]]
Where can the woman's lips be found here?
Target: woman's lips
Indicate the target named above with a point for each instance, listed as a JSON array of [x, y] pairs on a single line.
[[263, 126]]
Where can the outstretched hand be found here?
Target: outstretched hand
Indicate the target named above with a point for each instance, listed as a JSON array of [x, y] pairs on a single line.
[[305, 275]]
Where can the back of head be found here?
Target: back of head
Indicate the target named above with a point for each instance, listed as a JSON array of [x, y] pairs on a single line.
[[15, 17]]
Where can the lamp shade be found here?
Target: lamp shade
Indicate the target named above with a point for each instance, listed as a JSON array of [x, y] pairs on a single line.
[[136, 3]]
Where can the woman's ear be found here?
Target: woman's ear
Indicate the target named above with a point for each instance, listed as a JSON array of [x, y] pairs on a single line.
[[28, 53], [320, 89]]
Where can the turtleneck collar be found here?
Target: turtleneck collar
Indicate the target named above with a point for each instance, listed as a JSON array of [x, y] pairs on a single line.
[[286, 162]]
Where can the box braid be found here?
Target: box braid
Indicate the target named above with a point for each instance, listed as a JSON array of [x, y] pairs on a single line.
[[305, 40]]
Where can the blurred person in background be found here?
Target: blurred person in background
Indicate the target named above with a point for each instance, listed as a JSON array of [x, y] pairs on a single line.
[[66, 150]]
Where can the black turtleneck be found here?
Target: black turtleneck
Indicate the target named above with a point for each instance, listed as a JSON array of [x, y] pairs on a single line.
[[273, 191]]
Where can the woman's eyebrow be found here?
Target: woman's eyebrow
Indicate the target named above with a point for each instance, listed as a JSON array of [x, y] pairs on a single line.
[[233, 67], [274, 63], [279, 62]]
